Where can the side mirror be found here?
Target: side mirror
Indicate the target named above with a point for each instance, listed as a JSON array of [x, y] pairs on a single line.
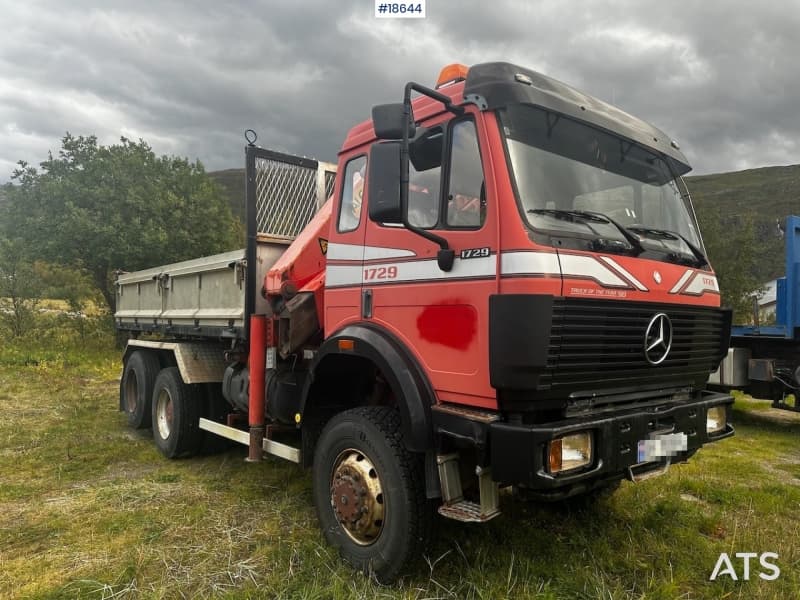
[[383, 181], [387, 119]]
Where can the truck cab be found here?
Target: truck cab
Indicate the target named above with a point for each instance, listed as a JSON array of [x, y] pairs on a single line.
[[536, 206], [577, 302]]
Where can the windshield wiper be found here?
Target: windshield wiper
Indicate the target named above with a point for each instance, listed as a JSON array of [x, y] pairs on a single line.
[[574, 216], [674, 235], [632, 239], [595, 217], [561, 213]]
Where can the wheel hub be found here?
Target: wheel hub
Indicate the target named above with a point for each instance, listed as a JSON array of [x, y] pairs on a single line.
[[131, 393], [357, 497], [164, 414]]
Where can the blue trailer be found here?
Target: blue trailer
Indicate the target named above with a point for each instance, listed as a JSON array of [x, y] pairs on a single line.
[[764, 360]]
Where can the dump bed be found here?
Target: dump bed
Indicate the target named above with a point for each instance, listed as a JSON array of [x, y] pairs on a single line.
[[203, 297], [213, 297]]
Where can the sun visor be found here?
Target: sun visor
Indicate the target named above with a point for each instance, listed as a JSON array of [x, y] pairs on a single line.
[[498, 84]]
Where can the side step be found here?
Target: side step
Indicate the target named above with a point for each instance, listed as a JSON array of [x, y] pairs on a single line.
[[242, 437], [466, 512], [455, 506]]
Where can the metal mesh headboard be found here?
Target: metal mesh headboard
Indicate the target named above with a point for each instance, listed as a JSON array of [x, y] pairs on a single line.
[[289, 190]]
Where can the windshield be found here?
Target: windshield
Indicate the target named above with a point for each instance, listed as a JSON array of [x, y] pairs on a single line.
[[601, 191]]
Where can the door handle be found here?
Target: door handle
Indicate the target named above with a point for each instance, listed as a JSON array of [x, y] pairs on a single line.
[[366, 304]]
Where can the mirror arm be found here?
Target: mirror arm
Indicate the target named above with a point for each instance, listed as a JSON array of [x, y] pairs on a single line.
[[446, 256], [426, 91], [404, 142]]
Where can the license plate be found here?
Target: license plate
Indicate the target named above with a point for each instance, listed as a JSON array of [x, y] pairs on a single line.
[[661, 446]]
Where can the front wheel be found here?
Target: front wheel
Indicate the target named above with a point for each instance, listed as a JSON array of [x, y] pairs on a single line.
[[369, 492]]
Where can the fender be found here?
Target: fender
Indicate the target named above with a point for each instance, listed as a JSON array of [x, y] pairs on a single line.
[[198, 362], [403, 373]]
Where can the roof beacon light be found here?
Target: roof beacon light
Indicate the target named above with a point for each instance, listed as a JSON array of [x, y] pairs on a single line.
[[452, 74]]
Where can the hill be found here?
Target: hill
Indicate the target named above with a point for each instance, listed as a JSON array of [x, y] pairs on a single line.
[[763, 197], [772, 192]]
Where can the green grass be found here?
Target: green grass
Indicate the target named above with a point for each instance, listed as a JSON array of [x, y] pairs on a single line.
[[89, 509]]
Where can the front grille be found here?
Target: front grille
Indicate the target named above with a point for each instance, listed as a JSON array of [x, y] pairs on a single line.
[[599, 345]]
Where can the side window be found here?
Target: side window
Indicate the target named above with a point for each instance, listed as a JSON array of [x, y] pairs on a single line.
[[466, 198], [352, 194], [424, 178]]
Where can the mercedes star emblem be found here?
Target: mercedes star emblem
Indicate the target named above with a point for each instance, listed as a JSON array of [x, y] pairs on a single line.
[[658, 339]]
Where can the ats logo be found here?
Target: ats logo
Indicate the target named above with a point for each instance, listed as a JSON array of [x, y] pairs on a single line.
[[725, 567]]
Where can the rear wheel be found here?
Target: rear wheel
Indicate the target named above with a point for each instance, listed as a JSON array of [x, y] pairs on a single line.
[[136, 388], [176, 415], [369, 492]]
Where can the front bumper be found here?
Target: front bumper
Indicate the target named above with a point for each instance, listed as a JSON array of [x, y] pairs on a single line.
[[518, 452]]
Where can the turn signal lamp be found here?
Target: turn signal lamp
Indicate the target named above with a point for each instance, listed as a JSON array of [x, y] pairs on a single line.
[[452, 74], [570, 452]]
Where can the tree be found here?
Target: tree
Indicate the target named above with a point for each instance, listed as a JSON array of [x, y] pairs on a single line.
[[102, 208], [19, 290], [732, 249], [67, 283]]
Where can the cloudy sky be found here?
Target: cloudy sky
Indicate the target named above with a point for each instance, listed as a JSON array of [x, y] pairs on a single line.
[[720, 76]]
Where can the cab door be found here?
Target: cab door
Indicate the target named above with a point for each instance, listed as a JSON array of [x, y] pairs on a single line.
[[441, 315], [344, 250]]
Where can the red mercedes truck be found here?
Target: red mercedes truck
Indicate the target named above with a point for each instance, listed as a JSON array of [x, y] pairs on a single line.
[[501, 283]]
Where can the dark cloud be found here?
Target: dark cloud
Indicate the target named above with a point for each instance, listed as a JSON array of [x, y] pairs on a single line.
[[718, 76]]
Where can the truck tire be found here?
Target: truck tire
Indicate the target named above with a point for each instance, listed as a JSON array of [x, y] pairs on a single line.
[[369, 492], [136, 388], [176, 415]]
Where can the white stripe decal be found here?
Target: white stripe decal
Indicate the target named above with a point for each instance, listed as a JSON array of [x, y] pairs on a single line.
[[573, 265], [358, 252], [617, 267], [375, 253], [684, 278], [429, 269], [529, 263], [512, 263], [408, 271], [702, 283], [342, 275]]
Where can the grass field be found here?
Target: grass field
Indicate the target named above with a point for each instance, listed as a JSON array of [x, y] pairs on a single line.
[[89, 509]]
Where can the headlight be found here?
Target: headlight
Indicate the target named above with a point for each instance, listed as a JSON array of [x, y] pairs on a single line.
[[716, 418], [570, 452]]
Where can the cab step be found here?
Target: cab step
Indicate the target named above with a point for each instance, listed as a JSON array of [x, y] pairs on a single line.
[[466, 511], [454, 505]]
